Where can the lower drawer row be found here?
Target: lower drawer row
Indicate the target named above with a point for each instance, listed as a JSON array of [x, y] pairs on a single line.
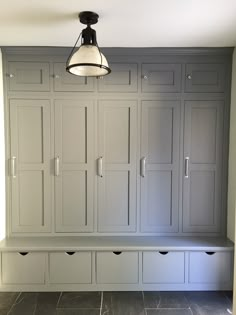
[[128, 267]]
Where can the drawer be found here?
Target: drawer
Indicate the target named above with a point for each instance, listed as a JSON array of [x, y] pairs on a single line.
[[157, 77], [210, 267], [23, 268], [123, 78], [163, 267], [70, 267], [29, 76], [117, 267], [204, 77], [66, 82]]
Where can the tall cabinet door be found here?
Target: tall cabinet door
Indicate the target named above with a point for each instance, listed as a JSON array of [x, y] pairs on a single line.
[[117, 166], [203, 166], [159, 165], [74, 170], [30, 165]]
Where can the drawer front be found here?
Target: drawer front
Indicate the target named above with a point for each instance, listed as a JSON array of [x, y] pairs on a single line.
[[161, 77], [163, 267], [123, 78], [70, 267], [117, 267], [210, 267], [29, 76], [66, 82], [204, 78], [23, 268]]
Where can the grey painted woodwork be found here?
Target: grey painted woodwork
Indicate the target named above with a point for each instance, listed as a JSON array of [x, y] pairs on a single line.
[[159, 77], [117, 147], [160, 136], [204, 77], [202, 188], [30, 165], [74, 149], [123, 78], [65, 82], [28, 76]]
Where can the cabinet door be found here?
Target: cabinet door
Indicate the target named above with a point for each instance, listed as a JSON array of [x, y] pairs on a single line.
[[117, 151], [161, 77], [30, 165], [29, 76], [123, 78], [74, 165], [203, 166], [159, 180], [204, 77], [66, 82]]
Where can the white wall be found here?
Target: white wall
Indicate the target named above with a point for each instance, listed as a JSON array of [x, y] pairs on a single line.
[[2, 159], [232, 158]]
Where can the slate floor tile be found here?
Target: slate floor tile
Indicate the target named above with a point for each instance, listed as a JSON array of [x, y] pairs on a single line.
[[151, 299], [45, 309], [172, 299], [48, 298], [206, 298], [123, 303], [29, 298], [22, 309], [209, 310], [4, 311], [75, 311], [82, 300], [169, 311], [7, 299], [229, 295]]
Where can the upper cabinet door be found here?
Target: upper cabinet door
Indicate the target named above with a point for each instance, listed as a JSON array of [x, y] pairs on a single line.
[[30, 165], [203, 132], [74, 165], [160, 134], [123, 78], [204, 77], [67, 82], [29, 76], [117, 166], [158, 77]]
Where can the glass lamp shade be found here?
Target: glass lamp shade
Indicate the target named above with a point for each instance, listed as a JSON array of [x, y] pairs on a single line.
[[88, 61]]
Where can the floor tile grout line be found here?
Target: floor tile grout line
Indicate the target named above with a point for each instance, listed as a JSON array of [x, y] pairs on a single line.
[[59, 300], [101, 303]]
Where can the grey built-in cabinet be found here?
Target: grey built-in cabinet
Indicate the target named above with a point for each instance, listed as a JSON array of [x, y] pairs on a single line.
[[140, 151]]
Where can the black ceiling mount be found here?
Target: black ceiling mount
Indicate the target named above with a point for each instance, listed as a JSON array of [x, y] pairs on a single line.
[[88, 17]]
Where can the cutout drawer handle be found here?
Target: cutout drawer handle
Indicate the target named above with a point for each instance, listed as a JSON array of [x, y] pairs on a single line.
[[100, 166], [23, 253], [163, 253], [70, 253], [117, 253], [210, 253]]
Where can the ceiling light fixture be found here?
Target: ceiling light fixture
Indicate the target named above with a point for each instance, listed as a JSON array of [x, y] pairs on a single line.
[[87, 60]]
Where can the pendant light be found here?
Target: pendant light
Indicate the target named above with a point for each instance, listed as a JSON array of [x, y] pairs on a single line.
[[87, 60]]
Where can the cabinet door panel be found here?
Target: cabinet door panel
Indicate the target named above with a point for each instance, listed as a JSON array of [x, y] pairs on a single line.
[[117, 187], [66, 82], [203, 147], [30, 145], [160, 146], [74, 148], [29, 76]]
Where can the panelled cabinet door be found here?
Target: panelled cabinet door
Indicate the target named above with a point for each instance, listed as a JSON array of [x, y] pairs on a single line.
[[203, 166], [29, 76], [66, 82], [123, 78], [117, 166], [204, 77], [74, 170], [29, 165], [158, 77], [160, 125]]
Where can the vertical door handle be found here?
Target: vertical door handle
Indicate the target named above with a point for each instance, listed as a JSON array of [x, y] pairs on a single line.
[[13, 167], [57, 166], [186, 164], [143, 167], [100, 166]]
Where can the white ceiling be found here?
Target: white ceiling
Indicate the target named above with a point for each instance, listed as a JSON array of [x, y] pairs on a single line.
[[122, 23]]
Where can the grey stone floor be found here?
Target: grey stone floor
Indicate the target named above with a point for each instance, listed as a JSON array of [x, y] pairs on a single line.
[[116, 303]]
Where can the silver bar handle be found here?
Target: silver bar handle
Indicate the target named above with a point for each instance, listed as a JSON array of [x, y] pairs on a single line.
[[13, 167], [143, 167], [100, 166], [186, 165], [57, 166]]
